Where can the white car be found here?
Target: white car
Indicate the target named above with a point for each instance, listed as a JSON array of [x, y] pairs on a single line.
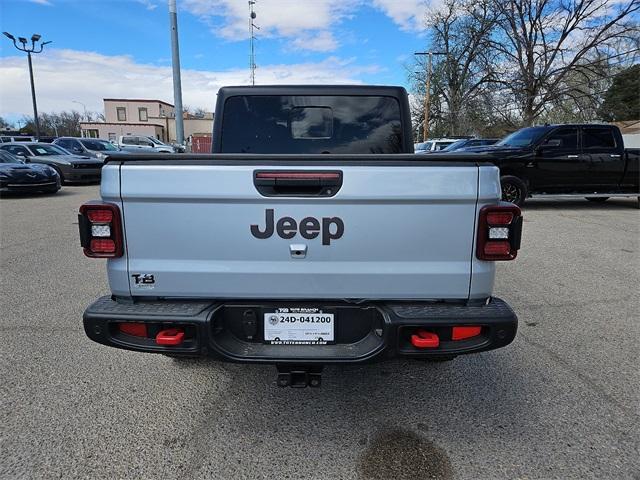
[[144, 144], [433, 145]]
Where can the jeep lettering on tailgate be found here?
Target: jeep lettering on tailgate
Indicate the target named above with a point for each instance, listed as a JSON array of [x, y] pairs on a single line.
[[332, 228]]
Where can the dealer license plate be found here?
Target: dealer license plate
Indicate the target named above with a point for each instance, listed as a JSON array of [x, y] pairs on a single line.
[[298, 326]]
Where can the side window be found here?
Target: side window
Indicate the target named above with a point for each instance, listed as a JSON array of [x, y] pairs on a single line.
[[121, 113], [18, 150], [62, 143], [562, 138], [130, 141], [599, 139]]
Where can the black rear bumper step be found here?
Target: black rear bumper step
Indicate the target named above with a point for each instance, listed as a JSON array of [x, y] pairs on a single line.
[[364, 332]]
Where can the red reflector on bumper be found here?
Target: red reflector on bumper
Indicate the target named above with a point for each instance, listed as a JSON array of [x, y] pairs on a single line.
[[497, 248], [424, 339], [460, 333], [102, 245], [171, 336], [135, 329]]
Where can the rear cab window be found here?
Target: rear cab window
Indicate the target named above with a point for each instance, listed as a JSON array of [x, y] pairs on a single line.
[[598, 139], [311, 124]]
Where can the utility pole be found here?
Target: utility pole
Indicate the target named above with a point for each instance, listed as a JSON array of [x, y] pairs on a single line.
[[175, 61], [29, 50], [252, 38], [427, 94]]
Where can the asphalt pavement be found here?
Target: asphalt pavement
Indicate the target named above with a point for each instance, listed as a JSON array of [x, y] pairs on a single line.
[[562, 401]]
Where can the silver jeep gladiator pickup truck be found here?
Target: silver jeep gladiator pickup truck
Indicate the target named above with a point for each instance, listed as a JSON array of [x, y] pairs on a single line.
[[311, 235]]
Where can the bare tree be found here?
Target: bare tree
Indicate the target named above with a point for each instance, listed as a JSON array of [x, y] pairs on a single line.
[[542, 43], [5, 125], [460, 35]]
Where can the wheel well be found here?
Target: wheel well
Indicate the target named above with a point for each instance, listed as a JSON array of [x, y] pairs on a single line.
[[504, 173]]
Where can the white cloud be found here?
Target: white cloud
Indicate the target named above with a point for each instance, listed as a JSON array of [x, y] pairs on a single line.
[[41, 2], [63, 76], [407, 14], [309, 23], [148, 4], [321, 42]]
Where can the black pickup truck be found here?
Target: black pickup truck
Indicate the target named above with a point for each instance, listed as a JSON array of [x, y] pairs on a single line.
[[585, 160]]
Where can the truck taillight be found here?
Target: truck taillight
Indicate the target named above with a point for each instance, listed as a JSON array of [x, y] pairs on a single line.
[[100, 230], [499, 232]]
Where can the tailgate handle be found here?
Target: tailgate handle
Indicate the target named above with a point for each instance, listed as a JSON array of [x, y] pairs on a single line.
[[297, 183]]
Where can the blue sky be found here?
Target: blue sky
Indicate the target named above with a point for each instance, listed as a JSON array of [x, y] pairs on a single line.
[[105, 48]]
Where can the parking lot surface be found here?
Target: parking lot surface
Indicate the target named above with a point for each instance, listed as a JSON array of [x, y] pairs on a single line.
[[562, 401]]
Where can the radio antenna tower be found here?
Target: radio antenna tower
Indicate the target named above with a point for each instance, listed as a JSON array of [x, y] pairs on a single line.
[[252, 38]]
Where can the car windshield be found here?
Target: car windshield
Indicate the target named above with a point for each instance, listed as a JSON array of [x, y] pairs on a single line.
[[523, 138], [43, 150], [442, 145], [455, 145], [156, 141], [6, 157], [99, 145], [425, 147]]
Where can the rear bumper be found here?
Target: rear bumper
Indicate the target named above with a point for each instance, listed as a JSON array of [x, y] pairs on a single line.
[[232, 330]]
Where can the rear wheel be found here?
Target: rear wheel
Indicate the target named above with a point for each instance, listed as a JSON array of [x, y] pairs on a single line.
[[514, 190], [597, 199]]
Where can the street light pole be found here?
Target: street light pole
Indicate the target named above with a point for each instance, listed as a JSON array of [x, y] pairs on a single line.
[[35, 38], [84, 108], [175, 61]]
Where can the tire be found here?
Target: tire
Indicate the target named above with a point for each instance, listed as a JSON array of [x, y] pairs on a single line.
[[514, 190], [597, 199]]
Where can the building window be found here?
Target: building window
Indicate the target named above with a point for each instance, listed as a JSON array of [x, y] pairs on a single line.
[[112, 137], [142, 114], [91, 133], [122, 114]]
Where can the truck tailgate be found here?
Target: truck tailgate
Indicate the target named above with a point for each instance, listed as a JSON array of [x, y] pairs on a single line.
[[408, 232]]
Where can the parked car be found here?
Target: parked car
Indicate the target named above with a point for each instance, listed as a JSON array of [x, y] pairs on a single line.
[[92, 147], [18, 176], [433, 145], [143, 144], [70, 168], [584, 160], [17, 138], [468, 143], [303, 261]]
